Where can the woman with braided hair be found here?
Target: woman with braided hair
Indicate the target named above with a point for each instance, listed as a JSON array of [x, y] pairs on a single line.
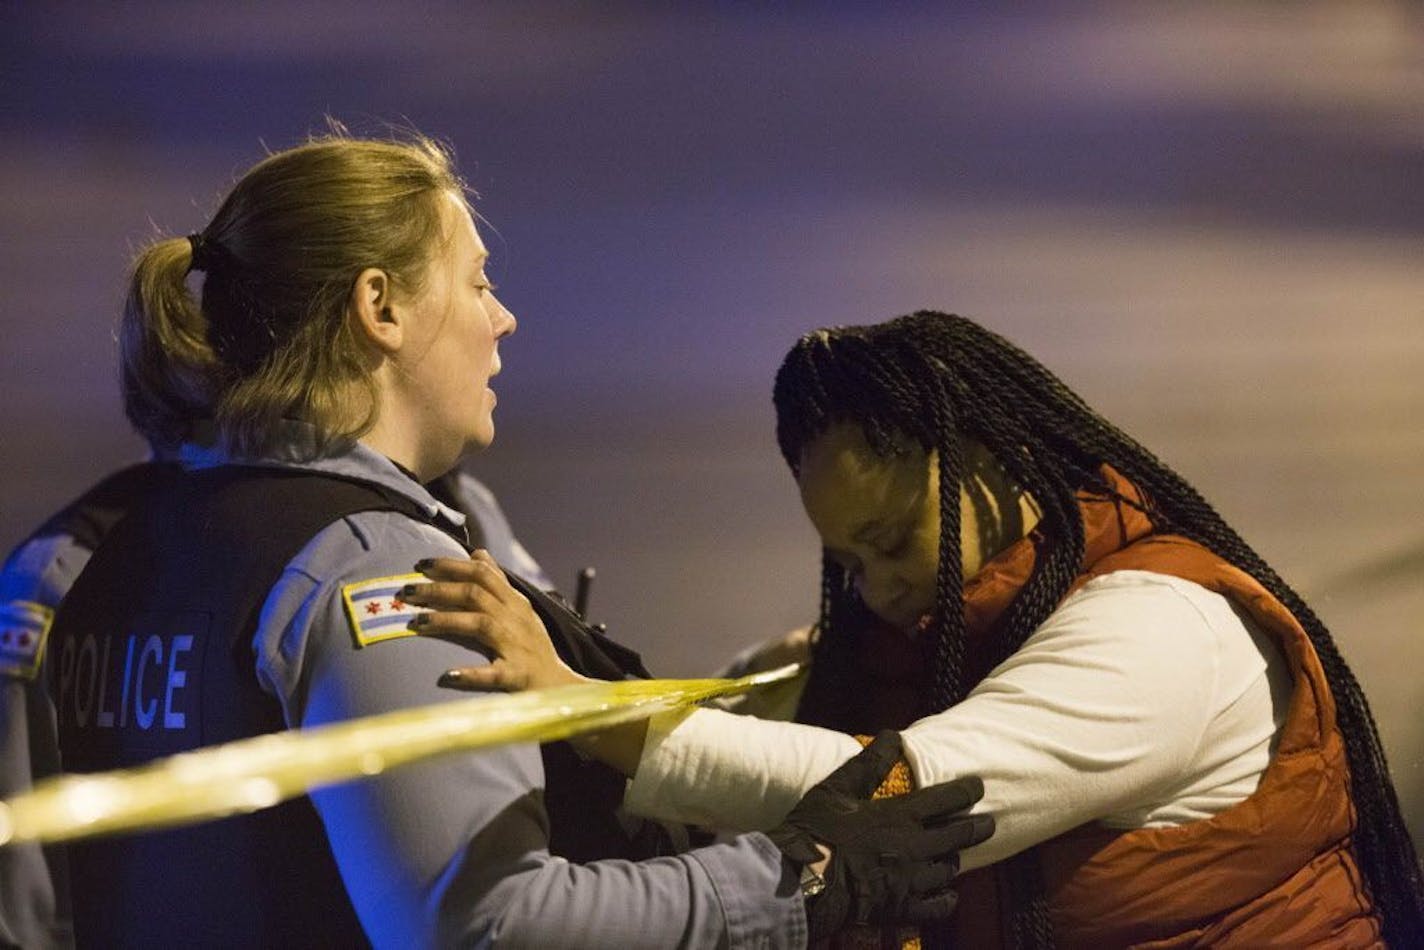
[[1175, 752]]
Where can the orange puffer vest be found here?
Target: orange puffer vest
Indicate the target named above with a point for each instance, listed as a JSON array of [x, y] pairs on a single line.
[[1275, 870]]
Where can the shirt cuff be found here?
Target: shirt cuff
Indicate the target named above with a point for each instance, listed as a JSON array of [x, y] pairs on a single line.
[[763, 905]]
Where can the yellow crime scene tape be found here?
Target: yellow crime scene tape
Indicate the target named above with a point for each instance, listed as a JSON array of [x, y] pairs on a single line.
[[251, 774]]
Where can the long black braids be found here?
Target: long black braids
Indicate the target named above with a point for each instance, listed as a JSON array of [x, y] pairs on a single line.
[[937, 379]]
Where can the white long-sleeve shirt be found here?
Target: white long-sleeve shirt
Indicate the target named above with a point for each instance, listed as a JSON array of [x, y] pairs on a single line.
[[1142, 700]]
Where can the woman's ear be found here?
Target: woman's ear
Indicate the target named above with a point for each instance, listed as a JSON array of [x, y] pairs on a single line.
[[373, 314]]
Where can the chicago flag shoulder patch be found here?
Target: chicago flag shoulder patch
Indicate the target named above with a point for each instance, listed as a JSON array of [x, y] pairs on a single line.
[[376, 611], [24, 627]]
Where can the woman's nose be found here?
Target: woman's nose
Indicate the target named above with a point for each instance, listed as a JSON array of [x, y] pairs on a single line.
[[506, 324]]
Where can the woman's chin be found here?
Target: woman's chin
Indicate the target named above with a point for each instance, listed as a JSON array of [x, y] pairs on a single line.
[[913, 623], [481, 432], [910, 623], [481, 439]]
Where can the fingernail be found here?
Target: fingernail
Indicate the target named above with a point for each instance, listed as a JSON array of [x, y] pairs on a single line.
[[424, 564], [450, 678], [419, 620], [409, 591]]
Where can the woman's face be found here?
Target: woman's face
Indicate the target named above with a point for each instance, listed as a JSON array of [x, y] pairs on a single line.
[[878, 518], [457, 326]]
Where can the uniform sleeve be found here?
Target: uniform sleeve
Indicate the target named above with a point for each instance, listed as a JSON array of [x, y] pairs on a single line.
[[33, 905], [455, 851], [1102, 709], [43, 570]]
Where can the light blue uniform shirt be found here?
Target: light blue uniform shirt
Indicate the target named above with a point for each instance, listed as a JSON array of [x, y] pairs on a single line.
[[33, 894], [455, 851]]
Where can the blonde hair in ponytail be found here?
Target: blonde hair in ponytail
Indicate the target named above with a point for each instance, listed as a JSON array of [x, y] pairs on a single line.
[[169, 373], [270, 339]]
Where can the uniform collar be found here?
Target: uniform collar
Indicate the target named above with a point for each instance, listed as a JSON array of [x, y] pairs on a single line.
[[295, 447]]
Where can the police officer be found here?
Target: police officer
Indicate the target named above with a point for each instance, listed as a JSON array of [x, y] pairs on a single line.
[[344, 348], [34, 893], [34, 885]]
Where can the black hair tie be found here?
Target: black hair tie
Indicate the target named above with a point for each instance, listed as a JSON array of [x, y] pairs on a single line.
[[202, 252]]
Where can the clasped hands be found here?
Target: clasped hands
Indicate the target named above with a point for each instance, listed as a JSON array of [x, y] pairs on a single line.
[[890, 859]]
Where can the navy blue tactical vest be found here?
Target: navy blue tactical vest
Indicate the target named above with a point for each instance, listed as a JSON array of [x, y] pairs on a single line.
[[90, 517], [151, 654]]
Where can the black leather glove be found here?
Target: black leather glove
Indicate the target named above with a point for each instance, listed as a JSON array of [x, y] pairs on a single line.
[[892, 859]]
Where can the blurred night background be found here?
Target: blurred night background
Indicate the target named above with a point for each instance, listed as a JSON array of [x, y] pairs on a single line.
[[1207, 217]]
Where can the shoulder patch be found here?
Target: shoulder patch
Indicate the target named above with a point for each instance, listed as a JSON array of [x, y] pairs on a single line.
[[24, 628], [376, 611]]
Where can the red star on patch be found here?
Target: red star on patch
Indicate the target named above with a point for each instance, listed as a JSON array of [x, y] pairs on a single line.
[[373, 608], [397, 604], [24, 639]]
